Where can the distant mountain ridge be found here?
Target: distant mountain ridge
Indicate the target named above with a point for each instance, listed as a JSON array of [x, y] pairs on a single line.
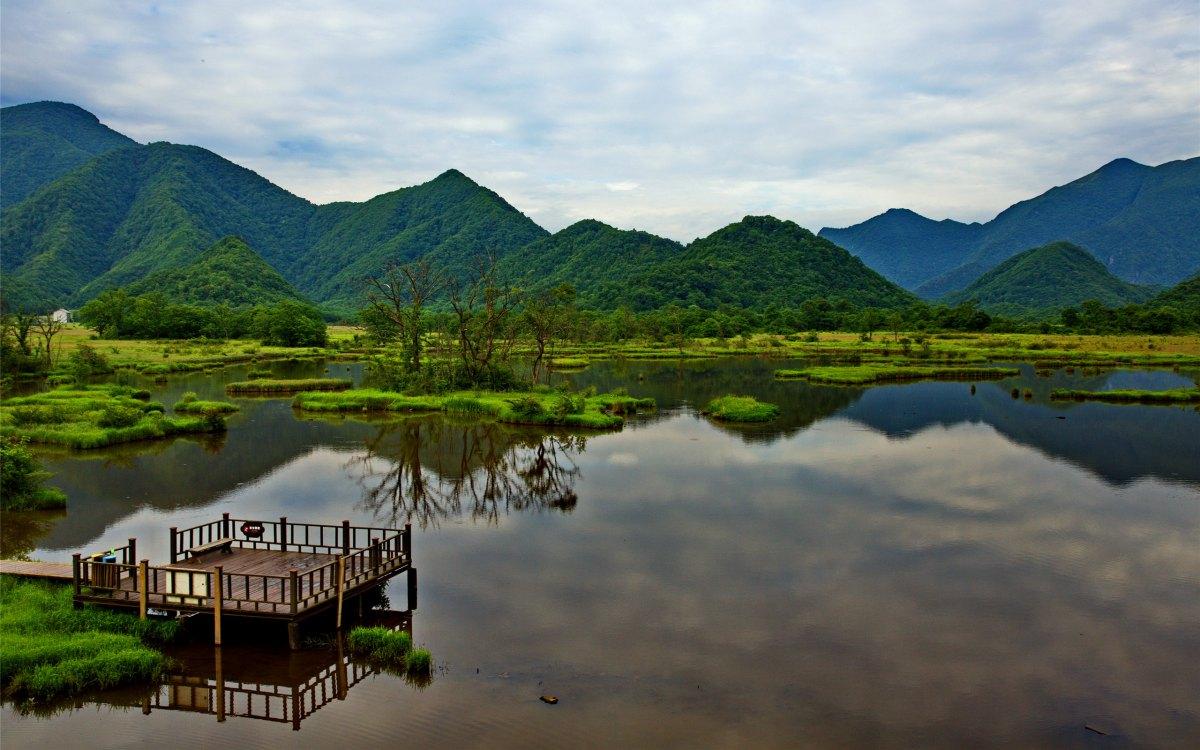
[[102, 210], [1141, 222], [1047, 279]]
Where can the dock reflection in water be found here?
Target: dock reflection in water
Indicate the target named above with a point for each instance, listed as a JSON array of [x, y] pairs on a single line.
[[265, 683]]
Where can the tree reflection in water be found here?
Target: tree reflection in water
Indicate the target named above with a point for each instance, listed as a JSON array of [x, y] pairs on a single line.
[[425, 469]]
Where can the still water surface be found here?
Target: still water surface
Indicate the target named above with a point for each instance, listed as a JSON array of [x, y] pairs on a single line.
[[910, 565]]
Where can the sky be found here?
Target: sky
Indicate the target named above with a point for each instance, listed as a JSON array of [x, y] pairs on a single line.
[[674, 118]]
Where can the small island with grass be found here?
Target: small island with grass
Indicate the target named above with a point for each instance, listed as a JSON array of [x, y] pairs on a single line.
[[274, 387], [536, 407], [96, 416], [1178, 396], [740, 409], [865, 374]]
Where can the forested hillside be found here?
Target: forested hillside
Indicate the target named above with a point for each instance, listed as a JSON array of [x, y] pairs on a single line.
[[1043, 280]]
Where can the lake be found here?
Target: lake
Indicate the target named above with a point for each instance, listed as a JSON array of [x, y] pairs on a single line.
[[928, 564]]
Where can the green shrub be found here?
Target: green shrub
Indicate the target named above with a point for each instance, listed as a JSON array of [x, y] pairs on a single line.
[[526, 407], [115, 415], [21, 479]]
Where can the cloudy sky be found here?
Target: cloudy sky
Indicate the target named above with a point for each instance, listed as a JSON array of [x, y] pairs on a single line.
[[676, 118]]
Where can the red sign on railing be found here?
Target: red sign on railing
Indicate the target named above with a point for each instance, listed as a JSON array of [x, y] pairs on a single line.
[[253, 529]]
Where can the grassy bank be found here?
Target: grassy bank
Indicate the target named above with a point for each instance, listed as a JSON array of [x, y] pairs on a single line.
[[1174, 396], [740, 409], [50, 650], [882, 373], [94, 417], [269, 386], [537, 407]]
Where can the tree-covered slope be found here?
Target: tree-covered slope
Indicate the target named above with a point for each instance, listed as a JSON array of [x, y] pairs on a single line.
[[607, 266], [42, 141], [761, 261], [134, 211], [451, 220], [1142, 223], [906, 247], [1185, 296], [229, 272], [1046, 279]]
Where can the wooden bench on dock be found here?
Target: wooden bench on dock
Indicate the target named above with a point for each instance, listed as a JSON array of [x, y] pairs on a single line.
[[224, 544]]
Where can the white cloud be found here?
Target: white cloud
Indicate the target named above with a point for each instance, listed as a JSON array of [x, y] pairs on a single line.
[[825, 113]]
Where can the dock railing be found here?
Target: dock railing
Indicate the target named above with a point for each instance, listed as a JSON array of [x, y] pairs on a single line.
[[283, 535], [360, 558]]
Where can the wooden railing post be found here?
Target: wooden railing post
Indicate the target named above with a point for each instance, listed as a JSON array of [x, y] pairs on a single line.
[[131, 553], [375, 556], [174, 551], [294, 574], [406, 541], [217, 595], [76, 572], [345, 537], [341, 590], [225, 530], [143, 575], [283, 532]]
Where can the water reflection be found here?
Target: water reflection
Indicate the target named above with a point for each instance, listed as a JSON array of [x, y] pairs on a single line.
[[250, 680], [423, 470]]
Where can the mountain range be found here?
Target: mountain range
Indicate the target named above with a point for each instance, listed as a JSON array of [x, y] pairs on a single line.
[[1141, 222], [86, 208]]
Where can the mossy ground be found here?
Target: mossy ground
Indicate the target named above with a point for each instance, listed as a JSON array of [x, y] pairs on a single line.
[[881, 373], [526, 407], [740, 409], [94, 417], [49, 649]]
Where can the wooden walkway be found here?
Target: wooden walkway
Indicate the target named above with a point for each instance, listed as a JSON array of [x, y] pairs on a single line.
[[47, 571]]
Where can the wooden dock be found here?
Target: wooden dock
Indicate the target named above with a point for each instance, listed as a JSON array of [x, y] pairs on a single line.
[[47, 571], [239, 568]]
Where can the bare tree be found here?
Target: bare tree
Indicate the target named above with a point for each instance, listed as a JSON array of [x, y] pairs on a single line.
[[483, 321], [547, 314], [18, 326], [47, 327], [399, 298]]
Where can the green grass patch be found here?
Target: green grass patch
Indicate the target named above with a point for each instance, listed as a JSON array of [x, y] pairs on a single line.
[[95, 417], [740, 409], [392, 649], [569, 363], [270, 386], [883, 373], [1173, 396], [51, 650], [205, 407], [603, 411]]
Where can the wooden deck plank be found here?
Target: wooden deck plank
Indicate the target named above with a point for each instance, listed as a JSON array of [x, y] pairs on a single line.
[[48, 571]]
